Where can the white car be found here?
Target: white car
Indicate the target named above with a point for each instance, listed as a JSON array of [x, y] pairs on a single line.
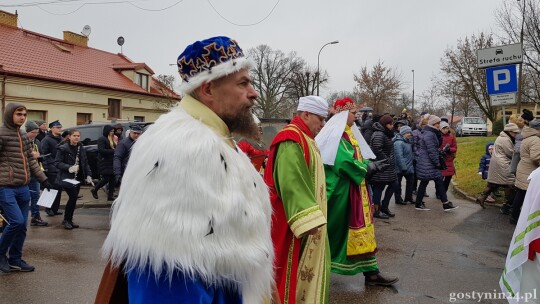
[[471, 126]]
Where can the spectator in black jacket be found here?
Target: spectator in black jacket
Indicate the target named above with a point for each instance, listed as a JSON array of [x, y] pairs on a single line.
[[49, 144], [383, 147], [72, 164], [106, 146], [42, 129], [122, 152]]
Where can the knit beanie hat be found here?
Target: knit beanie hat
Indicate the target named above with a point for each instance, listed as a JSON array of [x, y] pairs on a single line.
[[444, 124], [405, 129], [527, 115], [386, 119], [432, 120], [30, 126], [535, 124]]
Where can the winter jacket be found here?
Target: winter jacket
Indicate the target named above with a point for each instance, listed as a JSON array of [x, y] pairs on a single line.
[[49, 145], [516, 157], [121, 155], [403, 155], [530, 157], [417, 136], [17, 163], [382, 146], [66, 157], [499, 167], [484, 162], [449, 139], [428, 165], [105, 153], [367, 130]]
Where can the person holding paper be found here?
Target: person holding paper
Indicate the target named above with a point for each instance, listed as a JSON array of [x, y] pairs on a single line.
[[72, 165], [17, 165]]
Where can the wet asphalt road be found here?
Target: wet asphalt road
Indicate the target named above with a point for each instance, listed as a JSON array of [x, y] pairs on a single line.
[[434, 254]]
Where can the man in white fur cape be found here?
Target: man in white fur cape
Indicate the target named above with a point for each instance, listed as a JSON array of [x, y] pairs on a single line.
[[192, 221]]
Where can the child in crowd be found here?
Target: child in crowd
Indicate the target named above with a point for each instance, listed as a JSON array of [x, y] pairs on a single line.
[[484, 167]]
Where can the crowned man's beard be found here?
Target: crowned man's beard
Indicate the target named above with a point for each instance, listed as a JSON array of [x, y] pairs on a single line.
[[242, 124]]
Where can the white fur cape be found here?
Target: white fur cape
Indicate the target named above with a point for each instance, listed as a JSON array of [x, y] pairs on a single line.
[[190, 202]]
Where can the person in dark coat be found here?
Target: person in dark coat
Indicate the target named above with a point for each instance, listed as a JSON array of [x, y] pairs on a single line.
[[106, 146], [49, 145], [72, 164], [367, 129], [382, 146], [483, 169], [404, 157], [32, 130], [42, 125], [122, 152], [429, 163]]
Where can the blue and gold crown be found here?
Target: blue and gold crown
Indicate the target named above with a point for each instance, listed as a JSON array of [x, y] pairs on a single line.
[[210, 59]]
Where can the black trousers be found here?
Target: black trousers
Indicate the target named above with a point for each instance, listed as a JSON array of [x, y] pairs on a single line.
[[378, 189], [107, 179], [409, 187], [439, 189], [446, 182], [518, 202], [72, 193]]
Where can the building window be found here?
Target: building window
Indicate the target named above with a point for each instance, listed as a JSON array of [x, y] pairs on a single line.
[[114, 108], [138, 118], [84, 118], [142, 80], [36, 115]]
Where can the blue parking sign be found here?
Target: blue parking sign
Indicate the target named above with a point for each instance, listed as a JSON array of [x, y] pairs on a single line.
[[501, 79]]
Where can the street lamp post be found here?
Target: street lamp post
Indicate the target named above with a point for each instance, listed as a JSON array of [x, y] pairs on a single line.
[[520, 79], [318, 57], [412, 108]]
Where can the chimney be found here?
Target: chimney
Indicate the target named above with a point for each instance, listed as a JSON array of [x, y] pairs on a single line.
[[76, 39], [8, 19]]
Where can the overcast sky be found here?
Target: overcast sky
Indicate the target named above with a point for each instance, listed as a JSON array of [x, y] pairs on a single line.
[[405, 34]]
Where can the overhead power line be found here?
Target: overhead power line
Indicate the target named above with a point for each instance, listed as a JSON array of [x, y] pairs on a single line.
[[238, 24], [41, 4]]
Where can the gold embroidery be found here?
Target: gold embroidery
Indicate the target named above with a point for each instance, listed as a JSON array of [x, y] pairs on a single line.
[[307, 274]]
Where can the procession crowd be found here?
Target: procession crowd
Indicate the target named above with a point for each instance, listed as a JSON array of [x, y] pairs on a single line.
[[199, 221]]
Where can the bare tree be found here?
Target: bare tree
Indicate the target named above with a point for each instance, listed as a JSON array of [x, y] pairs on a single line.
[[431, 101], [333, 96], [165, 84], [459, 66], [379, 87], [271, 78], [512, 17], [304, 83]]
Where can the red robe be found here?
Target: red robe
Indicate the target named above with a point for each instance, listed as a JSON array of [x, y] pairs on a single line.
[[282, 236]]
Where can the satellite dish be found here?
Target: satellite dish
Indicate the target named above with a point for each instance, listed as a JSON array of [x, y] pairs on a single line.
[[86, 30], [120, 41]]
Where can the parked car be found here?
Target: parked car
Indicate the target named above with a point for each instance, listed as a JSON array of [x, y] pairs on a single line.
[[90, 134], [471, 126]]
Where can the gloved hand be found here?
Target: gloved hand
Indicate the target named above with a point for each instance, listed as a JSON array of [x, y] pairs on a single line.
[[117, 179], [480, 173], [377, 166], [46, 185], [89, 180], [74, 169]]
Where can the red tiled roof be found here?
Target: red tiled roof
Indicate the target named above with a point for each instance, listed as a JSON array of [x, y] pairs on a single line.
[[31, 54]]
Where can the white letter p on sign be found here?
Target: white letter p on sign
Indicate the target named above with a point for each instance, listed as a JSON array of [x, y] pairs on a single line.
[[501, 80]]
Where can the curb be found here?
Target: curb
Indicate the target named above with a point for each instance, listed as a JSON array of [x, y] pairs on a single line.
[[466, 196]]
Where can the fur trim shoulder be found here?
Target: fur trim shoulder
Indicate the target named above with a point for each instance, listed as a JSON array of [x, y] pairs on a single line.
[[190, 202]]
